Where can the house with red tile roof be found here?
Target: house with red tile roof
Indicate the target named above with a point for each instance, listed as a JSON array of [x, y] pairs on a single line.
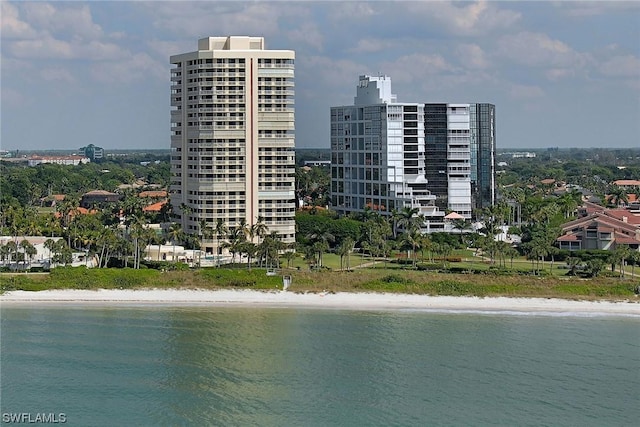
[[601, 228], [627, 183]]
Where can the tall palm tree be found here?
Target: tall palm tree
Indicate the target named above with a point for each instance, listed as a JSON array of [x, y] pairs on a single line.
[[175, 235], [407, 214], [220, 231], [12, 249], [395, 217], [50, 244], [259, 229], [634, 258], [28, 250], [320, 240], [344, 250], [460, 224], [412, 239]]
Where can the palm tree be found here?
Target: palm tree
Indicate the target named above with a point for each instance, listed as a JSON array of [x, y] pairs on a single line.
[[618, 196], [175, 235], [289, 256], [320, 242], [220, 231], [573, 263], [344, 250], [411, 239], [395, 217], [634, 258], [259, 229], [269, 249], [249, 249], [407, 215], [28, 250], [618, 256], [50, 244], [460, 224], [12, 249]]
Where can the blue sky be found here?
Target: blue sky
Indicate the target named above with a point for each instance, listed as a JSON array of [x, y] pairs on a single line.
[[561, 74]]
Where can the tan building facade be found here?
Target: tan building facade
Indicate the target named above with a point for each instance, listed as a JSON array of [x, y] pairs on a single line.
[[232, 137]]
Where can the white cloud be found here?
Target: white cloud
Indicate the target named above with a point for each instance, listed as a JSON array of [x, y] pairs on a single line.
[[57, 74], [12, 26], [135, 67], [353, 11], [202, 19], [469, 19], [621, 66], [540, 50], [372, 45], [42, 47], [47, 47], [472, 56], [580, 9], [14, 98], [71, 20], [308, 33], [525, 91], [415, 67], [337, 77], [556, 74]]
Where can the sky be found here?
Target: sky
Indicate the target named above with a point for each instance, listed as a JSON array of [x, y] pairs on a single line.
[[561, 74]]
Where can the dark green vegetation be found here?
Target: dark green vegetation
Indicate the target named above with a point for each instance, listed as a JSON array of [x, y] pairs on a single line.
[[366, 280], [327, 246]]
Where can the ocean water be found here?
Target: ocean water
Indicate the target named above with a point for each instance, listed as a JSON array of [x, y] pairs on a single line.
[[148, 366]]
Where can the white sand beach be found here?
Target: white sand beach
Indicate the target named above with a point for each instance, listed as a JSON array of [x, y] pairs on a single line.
[[340, 300]]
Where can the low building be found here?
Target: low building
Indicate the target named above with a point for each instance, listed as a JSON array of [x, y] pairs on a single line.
[[178, 254], [98, 197], [604, 229], [73, 159], [43, 256], [627, 183]]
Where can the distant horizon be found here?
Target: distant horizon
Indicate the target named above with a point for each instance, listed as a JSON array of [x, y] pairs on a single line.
[[498, 150]]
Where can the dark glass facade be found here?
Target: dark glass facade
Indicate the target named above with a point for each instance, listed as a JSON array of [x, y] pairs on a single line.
[[483, 164], [435, 138]]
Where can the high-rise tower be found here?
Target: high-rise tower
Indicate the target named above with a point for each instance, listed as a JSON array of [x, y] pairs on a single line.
[[232, 138], [378, 154]]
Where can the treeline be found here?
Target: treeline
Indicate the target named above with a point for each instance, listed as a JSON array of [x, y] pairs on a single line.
[[590, 168], [22, 185]]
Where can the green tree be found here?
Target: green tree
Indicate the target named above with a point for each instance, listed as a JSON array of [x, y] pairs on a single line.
[[344, 250]]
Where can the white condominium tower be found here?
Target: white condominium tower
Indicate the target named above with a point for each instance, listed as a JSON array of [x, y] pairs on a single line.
[[232, 138], [378, 154]]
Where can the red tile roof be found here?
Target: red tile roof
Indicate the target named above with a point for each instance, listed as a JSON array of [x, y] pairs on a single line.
[[153, 193], [155, 207], [627, 182]]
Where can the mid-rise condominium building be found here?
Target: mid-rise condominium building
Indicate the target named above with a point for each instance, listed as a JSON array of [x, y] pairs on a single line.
[[232, 137], [388, 155]]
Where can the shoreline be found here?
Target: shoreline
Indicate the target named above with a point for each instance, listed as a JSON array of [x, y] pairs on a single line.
[[322, 300]]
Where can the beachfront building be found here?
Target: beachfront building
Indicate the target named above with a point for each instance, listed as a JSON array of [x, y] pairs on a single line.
[[232, 138], [460, 155], [482, 128], [378, 154], [388, 155]]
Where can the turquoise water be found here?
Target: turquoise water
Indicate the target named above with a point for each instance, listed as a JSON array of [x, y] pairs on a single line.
[[288, 367]]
